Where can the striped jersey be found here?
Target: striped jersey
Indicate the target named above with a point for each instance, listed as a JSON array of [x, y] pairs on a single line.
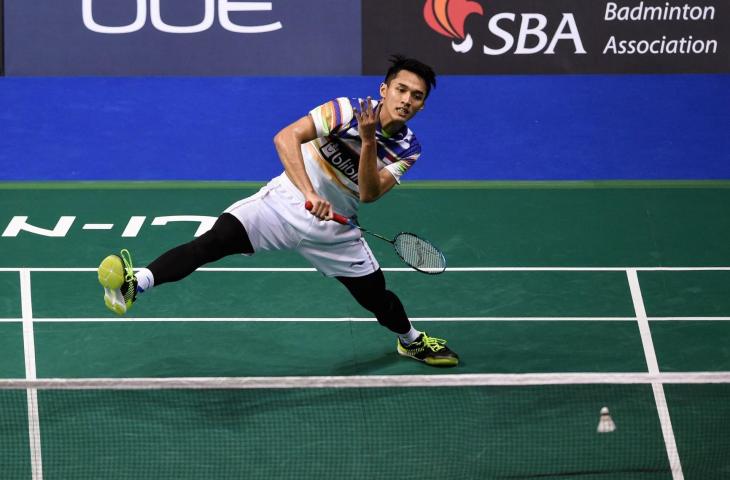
[[332, 159]]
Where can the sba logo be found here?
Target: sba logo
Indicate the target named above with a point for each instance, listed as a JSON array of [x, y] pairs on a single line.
[[448, 18]]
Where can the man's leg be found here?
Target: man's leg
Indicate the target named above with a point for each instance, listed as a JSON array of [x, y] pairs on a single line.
[[226, 237], [371, 294]]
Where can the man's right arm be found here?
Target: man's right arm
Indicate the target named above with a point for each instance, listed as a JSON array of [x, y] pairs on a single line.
[[288, 144]]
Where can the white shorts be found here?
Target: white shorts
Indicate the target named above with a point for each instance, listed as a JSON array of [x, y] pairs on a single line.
[[275, 219]]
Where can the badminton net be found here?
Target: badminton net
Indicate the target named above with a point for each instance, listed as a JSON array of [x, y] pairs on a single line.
[[406, 427]]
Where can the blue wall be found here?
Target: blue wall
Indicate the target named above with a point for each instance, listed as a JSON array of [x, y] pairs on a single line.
[[496, 127]]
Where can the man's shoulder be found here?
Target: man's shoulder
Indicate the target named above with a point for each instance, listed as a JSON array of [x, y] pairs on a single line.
[[414, 147], [343, 101], [403, 144], [408, 136]]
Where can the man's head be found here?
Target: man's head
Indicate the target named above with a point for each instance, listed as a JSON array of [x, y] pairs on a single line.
[[400, 62], [405, 88]]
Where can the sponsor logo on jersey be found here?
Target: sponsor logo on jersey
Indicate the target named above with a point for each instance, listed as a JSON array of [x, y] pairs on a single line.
[[341, 158]]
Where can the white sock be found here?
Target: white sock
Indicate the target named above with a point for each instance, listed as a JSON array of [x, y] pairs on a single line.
[[145, 280], [410, 337]]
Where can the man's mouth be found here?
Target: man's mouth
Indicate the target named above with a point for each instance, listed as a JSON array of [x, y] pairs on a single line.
[[403, 111]]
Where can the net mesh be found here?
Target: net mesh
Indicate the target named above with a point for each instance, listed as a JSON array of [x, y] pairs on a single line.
[[419, 253], [348, 427]]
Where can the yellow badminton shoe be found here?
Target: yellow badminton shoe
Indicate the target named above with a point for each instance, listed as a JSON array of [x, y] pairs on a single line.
[[432, 351], [120, 286]]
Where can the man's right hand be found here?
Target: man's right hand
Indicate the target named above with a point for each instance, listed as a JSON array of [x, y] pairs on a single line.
[[321, 208]]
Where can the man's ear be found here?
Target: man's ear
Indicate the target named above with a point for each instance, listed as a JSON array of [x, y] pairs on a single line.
[[383, 89]]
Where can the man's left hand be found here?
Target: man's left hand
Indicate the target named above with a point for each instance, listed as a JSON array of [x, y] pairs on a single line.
[[367, 119]]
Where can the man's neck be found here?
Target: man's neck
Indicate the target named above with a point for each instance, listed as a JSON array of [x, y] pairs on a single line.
[[391, 128]]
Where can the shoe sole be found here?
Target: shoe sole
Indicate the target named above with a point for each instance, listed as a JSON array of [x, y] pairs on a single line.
[[111, 276], [114, 301], [111, 272], [434, 362]]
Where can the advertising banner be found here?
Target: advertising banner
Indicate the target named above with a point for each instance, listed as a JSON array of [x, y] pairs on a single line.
[[182, 37], [550, 36]]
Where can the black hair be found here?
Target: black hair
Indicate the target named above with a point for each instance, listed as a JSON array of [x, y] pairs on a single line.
[[401, 62]]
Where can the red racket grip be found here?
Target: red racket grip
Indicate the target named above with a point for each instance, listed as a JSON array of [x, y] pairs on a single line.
[[335, 216]]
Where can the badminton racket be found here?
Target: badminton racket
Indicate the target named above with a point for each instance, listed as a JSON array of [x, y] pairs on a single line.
[[416, 252]]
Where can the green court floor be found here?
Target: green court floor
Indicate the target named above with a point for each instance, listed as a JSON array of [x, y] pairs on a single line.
[[539, 282]]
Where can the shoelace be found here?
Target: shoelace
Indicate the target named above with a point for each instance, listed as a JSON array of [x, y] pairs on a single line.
[[130, 292], [128, 270], [435, 344]]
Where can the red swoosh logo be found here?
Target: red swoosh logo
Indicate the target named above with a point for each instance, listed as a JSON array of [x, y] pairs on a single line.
[[448, 17]]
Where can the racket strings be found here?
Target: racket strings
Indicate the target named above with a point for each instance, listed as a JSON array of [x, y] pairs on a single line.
[[419, 254]]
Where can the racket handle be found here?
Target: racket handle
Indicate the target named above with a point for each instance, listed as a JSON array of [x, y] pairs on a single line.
[[335, 216], [340, 219]]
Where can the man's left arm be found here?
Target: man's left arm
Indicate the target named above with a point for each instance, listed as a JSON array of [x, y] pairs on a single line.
[[373, 183]]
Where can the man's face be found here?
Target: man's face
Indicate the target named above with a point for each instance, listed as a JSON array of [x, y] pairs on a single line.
[[403, 97]]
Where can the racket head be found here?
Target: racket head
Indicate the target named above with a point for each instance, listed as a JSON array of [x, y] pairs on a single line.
[[419, 253]]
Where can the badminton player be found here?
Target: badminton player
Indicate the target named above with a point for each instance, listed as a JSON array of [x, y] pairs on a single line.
[[342, 153]]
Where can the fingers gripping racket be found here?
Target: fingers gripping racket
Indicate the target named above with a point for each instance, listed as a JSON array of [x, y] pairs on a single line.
[[416, 252]]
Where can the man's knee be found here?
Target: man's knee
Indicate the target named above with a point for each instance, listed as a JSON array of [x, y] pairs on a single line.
[[226, 237], [371, 294], [369, 290]]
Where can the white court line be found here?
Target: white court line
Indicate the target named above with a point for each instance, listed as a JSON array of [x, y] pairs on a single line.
[[363, 319], [653, 366], [34, 428], [448, 269], [689, 319], [330, 319]]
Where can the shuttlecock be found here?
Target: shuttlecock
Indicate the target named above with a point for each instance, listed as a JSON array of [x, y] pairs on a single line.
[[605, 424]]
